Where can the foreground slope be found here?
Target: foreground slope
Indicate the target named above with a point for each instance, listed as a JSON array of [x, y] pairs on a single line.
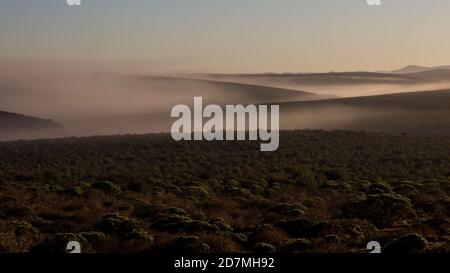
[[320, 192]]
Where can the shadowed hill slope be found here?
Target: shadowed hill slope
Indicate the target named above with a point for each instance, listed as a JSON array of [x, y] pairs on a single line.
[[418, 112], [13, 126]]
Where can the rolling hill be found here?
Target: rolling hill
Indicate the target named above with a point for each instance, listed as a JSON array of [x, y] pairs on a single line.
[[424, 113], [412, 74], [349, 84], [223, 92], [121, 104], [311, 79]]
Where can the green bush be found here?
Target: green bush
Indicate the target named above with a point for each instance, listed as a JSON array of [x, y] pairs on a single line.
[[176, 211], [188, 244], [379, 188], [295, 228], [408, 243], [107, 187], [305, 177], [93, 236], [220, 224], [294, 210], [239, 193], [140, 235], [406, 190], [263, 248], [336, 174], [382, 210], [64, 238], [172, 222], [114, 223], [295, 246], [24, 228], [74, 191], [198, 192]]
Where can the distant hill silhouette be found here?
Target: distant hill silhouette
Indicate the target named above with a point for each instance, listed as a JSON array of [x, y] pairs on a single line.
[[348, 84], [417, 68], [18, 126], [331, 78]]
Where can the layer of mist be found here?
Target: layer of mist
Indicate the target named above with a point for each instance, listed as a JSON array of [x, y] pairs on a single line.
[[347, 84], [89, 103]]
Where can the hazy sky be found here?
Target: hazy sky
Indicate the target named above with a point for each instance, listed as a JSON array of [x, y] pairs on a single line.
[[230, 35]]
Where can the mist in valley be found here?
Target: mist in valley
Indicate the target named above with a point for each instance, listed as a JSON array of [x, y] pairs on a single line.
[[88, 103]]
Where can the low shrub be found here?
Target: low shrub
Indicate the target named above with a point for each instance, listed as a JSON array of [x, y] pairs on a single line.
[[107, 187], [382, 210], [115, 223], [263, 248], [408, 243]]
